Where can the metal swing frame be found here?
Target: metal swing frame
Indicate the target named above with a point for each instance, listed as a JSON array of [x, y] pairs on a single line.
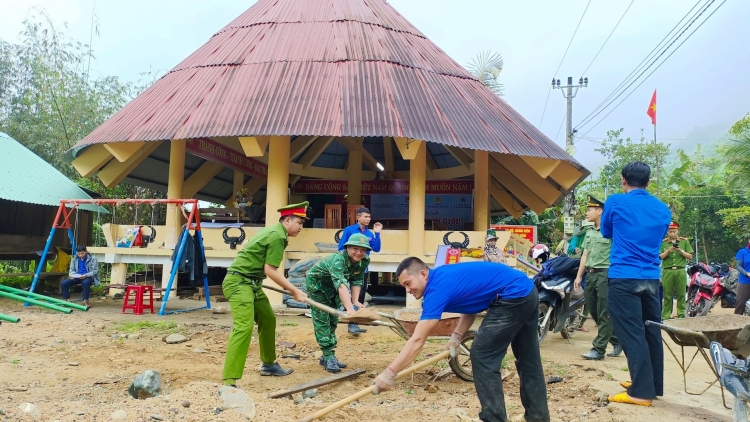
[[68, 206]]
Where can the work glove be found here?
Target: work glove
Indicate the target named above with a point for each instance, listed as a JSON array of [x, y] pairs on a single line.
[[384, 381], [454, 343]]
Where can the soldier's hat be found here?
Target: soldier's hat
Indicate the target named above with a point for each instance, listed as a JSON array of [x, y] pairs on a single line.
[[359, 240], [674, 225], [491, 234], [300, 210], [594, 203]]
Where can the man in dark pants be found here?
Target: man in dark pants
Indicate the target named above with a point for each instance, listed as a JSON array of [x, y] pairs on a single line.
[[84, 270], [636, 222], [511, 301], [595, 263], [742, 263]]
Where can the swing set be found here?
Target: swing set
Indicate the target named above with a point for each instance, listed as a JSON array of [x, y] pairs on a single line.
[[63, 221]]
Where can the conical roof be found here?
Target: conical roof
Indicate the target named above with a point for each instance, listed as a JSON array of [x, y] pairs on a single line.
[[324, 68]]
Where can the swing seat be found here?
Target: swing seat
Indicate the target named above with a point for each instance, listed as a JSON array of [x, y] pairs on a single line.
[[137, 306]]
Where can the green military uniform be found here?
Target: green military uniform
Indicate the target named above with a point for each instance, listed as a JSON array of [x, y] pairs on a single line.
[[595, 292], [674, 277], [249, 304], [323, 281]]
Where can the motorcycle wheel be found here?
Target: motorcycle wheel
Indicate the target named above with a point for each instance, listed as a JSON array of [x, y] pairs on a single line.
[[461, 364], [692, 308], [704, 307], [739, 410], [542, 330]]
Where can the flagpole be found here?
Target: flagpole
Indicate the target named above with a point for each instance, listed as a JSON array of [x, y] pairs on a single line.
[[656, 154]]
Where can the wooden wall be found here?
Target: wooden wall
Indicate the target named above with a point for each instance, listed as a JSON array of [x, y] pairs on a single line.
[[24, 228]]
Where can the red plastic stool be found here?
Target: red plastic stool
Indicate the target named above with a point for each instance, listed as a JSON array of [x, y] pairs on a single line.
[[138, 304]]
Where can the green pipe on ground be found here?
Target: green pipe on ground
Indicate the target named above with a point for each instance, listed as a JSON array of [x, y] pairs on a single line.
[[35, 302], [51, 300], [9, 318]]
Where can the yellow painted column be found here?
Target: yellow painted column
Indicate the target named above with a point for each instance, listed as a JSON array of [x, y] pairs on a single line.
[[277, 190], [354, 172], [417, 212], [237, 184], [481, 190], [174, 191]]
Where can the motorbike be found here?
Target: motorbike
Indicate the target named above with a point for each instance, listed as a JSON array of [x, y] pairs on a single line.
[[734, 375], [560, 307], [708, 286]]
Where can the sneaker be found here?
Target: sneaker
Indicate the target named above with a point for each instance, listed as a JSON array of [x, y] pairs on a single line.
[[354, 329], [593, 355], [274, 370], [616, 352], [340, 364], [331, 365]]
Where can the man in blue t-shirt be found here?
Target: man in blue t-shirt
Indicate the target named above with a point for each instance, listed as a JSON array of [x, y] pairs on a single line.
[[636, 221], [363, 220], [742, 263], [511, 302]]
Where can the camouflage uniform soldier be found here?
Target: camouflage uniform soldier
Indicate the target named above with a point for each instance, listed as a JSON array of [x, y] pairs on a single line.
[[329, 282]]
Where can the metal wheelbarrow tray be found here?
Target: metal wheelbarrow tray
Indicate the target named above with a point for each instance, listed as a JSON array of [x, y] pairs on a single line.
[[699, 332]]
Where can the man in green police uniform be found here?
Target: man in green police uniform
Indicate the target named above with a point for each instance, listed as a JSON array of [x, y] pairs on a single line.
[[595, 263], [260, 258], [675, 252], [329, 282]]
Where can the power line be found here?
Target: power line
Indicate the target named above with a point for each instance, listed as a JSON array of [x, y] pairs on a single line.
[[640, 65], [657, 67], [560, 128], [563, 59], [610, 35]]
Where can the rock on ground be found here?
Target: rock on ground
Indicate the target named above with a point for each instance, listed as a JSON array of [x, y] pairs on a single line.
[[31, 410], [238, 400], [145, 385], [175, 338], [118, 415]]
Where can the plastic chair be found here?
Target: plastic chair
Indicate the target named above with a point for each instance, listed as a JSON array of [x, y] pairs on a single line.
[[138, 305]]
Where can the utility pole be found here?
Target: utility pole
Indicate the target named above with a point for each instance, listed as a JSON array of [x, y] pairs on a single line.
[[569, 93]]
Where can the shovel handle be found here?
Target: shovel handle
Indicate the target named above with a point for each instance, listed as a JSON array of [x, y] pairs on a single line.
[[322, 307], [356, 396]]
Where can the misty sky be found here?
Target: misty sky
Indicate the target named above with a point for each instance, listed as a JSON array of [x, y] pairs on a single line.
[[703, 88]]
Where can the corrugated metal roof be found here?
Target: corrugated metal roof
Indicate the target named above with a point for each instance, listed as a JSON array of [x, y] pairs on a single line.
[[326, 68], [26, 177]]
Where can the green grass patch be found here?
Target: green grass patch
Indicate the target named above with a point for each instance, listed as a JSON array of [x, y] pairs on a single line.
[[609, 377], [288, 324], [624, 369], [132, 327], [506, 361]]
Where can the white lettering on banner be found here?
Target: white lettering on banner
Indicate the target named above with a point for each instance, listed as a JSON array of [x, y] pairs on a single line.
[[218, 153]]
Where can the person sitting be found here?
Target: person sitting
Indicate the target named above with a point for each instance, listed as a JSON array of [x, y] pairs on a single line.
[[491, 251], [84, 270]]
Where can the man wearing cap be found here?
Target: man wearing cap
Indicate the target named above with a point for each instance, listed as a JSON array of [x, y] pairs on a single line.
[[675, 252], [259, 258], [491, 251], [595, 264], [360, 227], [334, 281]]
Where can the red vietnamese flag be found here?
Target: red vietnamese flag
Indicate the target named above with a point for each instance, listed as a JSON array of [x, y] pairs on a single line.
[[652, 109]]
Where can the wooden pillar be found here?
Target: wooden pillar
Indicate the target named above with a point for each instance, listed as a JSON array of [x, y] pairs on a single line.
[[481, 190], [417, 176], [174, 191], [277, 190], [354, 172], [237, 184]]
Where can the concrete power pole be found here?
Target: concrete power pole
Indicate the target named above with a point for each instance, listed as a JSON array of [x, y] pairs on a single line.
[[569, 93]]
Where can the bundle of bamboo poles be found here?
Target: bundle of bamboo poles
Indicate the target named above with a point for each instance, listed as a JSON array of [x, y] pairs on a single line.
[[40, 300]]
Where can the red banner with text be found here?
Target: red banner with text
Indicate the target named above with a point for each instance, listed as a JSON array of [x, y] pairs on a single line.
[[527, 232], [218, 153], [379, 187]]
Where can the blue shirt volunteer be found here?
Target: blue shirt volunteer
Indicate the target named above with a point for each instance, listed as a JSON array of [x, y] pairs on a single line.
[[469, 288], [744, 256], [374, 238], [636, 222]]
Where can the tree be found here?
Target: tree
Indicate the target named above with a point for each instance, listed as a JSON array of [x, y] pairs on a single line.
[[487, 67], [48, 102], [741, 127]]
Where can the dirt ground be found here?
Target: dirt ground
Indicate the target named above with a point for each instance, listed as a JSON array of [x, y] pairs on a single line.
[[78, 367]]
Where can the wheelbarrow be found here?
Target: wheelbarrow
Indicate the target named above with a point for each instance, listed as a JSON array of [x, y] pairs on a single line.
[[731, 331]]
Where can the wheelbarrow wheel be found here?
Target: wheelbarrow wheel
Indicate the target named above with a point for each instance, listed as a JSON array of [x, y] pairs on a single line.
[[543, 330], [461, 364]]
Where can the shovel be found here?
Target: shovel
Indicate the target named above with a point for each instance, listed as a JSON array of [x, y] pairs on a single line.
[[364, 315], [356, 396]]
